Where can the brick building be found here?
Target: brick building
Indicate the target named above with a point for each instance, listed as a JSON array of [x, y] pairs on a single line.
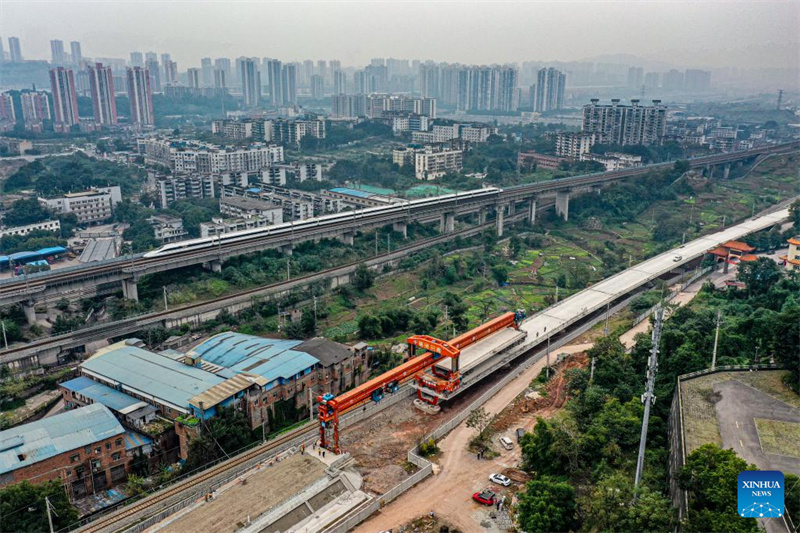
[[85, 449]]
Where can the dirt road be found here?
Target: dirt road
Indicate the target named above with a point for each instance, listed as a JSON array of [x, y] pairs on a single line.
[[459, 473]]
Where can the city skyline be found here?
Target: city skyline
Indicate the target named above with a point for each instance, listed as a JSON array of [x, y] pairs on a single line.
[[766, 33]]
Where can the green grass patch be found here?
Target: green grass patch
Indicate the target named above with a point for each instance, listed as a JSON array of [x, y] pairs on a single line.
[[778, 437]]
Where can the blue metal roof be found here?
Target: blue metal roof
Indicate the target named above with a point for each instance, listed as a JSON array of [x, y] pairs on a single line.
[[352, 192], [21, 256], [100, 393], [4, 259], [270, 358], [52, 250], [148, 374], [253, 189], [135, 440], [31, 443]]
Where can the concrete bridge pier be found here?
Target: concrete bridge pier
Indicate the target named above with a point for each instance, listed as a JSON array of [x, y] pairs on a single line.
[[347, 237], [482, 213], [562, 204], [532, 210], [710, 171], [512, 207], [500, 215], [29, 308], [447, 223], [130, 289], [726, 171], [287, 249], [401, 227]]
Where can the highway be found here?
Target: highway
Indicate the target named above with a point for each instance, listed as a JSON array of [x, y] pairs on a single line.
[[57, 282]]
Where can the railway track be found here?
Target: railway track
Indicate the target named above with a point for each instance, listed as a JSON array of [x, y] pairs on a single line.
[[161, 499]]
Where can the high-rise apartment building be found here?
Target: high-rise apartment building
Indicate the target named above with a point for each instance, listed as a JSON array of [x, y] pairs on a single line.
[[274, 79], [150, 56], [289, 84], [14, 50], [339, 82], [549, 90], [651, 80], [170, 72], [57, 52], [334, 65], [75, 53], [224, 64], [322, 68], [635, 77], [35, 107], [673, 80], [137, 59], [7, 113], [207, 69], [65, 101], [360, 82], [101, 84], [220, 79], [251, 83], [155, 72], [307, 71], [140, 95], [165, 57], [625, 125], [193, 77], [317, 87]]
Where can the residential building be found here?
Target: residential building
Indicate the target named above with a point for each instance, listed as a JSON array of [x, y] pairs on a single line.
[[289, 84], [614, 160], [193, 78], [203, 158], [154, 70], [90, 207], [535, 160], [697, 80], [137, 59], [104, 103], [220, 79], [83, 449], [14, 50], [378, 104], [339, 82], [207, 69], [430, 164], [234, 129], [358, 198], [296, 204], [403, 156], [47, 225], [167, 228], [348, 105], [549, 90], [476, 133], [8, 116], [292, 131], [625, 125], [221, 226], [75, 53], [16, 146], [174, 187], [635, 77], [140, 95], [57, 52], [673, 80], [65, 101], [251, 83], [35, 109], [574, 144], [243, 207], [170, 72], [317, 87]]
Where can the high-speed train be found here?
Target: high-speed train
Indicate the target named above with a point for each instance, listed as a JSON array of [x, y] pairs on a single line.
[[291, 227]]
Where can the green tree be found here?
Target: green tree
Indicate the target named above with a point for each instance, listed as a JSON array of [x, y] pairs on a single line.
[[224, 434], [363, 277], [547, 505], [500, 274], [794, 214], [23, 508], [26, 211], [611, 507], [760, 275], [479, 420], [369, 327], [710, 477]]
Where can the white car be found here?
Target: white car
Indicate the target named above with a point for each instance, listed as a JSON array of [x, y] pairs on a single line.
[[500, 479], [677, 258]]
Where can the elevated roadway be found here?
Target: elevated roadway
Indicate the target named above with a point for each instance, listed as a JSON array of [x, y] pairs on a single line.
[[86, 278]]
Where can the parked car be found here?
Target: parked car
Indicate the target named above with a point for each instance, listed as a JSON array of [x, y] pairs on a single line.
[[500, 479], [485, 497], [677, 258], [520, 434], [506, 443]]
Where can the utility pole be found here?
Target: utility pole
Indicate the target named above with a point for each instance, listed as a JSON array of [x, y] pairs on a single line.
[[716, 342], [547, 368], [376, 243], [288, 273], [605, 329], [647, 397], [166, 307], [388, 243], [556, 293], [591, 372], [5, 339], [310, 406], [315, 315], [48, 506]]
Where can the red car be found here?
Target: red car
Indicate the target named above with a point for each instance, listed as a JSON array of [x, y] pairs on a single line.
[[486, 497]]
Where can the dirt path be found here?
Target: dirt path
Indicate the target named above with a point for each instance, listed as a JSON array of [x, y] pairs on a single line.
[[459, 473]]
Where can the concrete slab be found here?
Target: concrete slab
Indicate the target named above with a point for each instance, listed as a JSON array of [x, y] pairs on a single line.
[[485, 348]]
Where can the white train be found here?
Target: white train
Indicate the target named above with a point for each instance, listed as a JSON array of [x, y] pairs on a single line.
[[291, 227]]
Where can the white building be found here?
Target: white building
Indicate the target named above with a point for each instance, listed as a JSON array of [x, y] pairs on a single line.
[[167, 228], [429, 164], [196, 157], [47, 225], [614, 160], [574, 144], [90, 207], [244, 207], [178, 187]]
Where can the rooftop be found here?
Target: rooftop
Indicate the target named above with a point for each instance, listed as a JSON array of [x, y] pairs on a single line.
[[247, 203], [149, 374], [226, 389], [31, 443], [99, 393], [328, 352], [269, 358], [352, 192], [738, 246]]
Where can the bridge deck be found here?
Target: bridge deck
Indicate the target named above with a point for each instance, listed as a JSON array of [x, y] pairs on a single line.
[[484, 349]]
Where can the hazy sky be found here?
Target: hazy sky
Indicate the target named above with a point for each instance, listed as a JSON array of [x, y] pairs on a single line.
[[696, 33]]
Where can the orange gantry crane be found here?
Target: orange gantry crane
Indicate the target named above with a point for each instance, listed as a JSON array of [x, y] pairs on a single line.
[[443, 381]]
